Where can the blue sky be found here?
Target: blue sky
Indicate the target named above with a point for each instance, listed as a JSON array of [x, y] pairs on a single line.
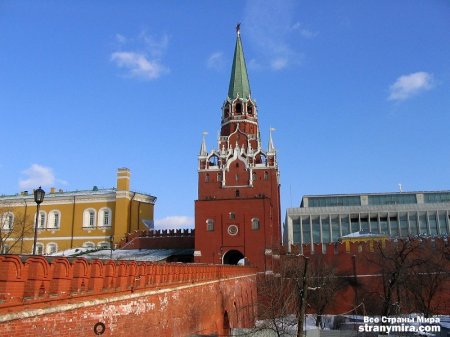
[[358, 91]]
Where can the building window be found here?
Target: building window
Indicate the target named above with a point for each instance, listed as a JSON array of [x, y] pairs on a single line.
[[105, 216], [237, 193], [89, 245], [89, 218], [42, 219], [255, 224], [209, 225], [51, 248], [232, 215], [7, 221], [249, 109], [54, 219], [207, 178], [219, 176], [266, 175], [104, 245], [39, 248], [5, 249]]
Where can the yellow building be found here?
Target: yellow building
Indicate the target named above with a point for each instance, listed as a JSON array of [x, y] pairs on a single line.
[[362, 236], [91, 218]]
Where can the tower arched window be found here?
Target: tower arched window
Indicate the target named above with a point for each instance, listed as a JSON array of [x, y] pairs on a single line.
[[104, 217], [209, 225], [238, 108], [238, 194], [213, 161], [89, 216], [207, 178], [255, 224], [266, 175], [219, 176], [249, 109]]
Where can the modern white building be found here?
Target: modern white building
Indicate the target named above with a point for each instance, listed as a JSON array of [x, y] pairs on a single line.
[[327, 218]]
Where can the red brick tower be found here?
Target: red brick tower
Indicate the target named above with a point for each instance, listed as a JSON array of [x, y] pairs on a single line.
[[237, 213]]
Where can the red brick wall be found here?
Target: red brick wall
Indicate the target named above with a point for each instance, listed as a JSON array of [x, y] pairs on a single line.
[[64, 297], [159, 239], [369, 275]]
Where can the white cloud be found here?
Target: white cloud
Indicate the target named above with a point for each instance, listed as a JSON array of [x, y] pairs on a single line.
[[279, 63], [155, 46], [37, 175], [216, 61], [269, 25], [138, 65], [304, 32], [174, 222], [141, 57], [407, 86]]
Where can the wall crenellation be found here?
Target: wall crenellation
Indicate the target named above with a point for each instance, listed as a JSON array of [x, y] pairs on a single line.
[[36, 279], [355, 248]]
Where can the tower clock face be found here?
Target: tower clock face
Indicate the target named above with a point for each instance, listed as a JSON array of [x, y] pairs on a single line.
[[233, 230]]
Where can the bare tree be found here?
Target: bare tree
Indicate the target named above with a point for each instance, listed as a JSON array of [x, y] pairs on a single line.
[[323, 286], [14, 227], [302, 283], [276, 303], [427, 281], [395, 261]]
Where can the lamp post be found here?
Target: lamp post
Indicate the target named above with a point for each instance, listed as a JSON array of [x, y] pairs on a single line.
[[38, 198], [111, 242]]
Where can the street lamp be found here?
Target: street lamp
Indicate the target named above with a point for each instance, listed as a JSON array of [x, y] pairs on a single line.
[[38, 198], [111, 242]]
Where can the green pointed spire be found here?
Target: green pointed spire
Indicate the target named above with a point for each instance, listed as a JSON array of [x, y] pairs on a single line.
[[239, 79]]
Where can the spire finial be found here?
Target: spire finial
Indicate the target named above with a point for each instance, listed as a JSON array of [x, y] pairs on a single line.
[[239, 79], [271, 148], [203, 151]]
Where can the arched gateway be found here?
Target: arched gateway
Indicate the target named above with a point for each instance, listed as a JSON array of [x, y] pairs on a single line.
[[232, 257]]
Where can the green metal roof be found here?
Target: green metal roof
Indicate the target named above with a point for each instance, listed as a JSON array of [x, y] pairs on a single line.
[[239, 79]]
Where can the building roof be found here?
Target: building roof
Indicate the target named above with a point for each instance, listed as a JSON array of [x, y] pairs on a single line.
[[362, 199], [151, 255], [362, 234], [94, 193], [239, 84]]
